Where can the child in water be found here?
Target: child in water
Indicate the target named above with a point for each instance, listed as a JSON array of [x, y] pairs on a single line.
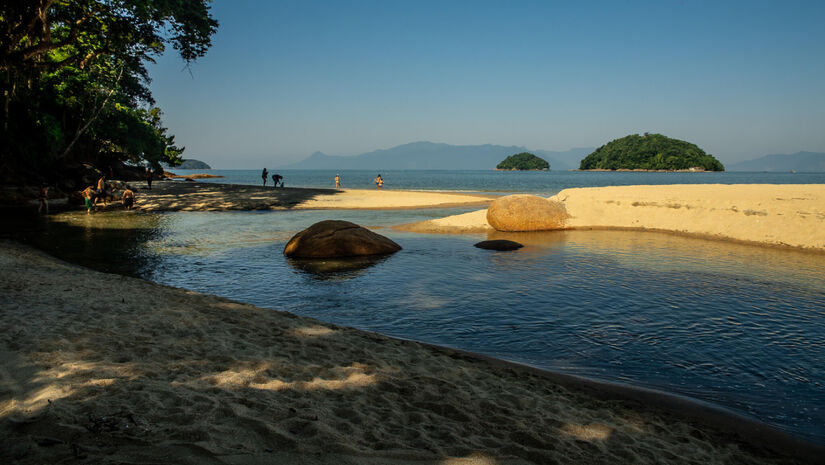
[[379, 182]]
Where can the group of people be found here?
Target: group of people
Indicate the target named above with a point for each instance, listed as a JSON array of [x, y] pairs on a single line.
[[276, 178], [92, 194], [379, 181]]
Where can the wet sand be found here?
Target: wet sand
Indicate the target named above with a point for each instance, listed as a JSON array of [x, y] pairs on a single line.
[[101, 368], [197, 196], [791, 215]]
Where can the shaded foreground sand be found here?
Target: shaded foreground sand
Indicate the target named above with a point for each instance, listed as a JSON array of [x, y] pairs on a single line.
[[194, 196], [773, 214], [100, 368]]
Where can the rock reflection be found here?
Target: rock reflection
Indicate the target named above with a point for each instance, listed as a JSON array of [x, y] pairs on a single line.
[[336, 269]]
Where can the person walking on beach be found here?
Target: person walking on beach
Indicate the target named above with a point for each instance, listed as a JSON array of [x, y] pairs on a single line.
[[379, 182], [43, 196], [337, 181], [264, 174], [128, 198], [100, 193], [149, 176], [87, 198]]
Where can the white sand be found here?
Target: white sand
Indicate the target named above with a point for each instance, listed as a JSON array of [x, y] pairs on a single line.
[[771, 214], [100, 368], [192, 196]]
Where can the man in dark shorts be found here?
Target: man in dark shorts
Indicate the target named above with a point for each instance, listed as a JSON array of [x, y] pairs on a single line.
[[264, 173], [101, 190], [128, 198], [276, 178]]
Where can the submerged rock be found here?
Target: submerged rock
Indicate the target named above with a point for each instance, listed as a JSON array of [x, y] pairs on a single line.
[[499, 244], [526, 213], [334, 239]]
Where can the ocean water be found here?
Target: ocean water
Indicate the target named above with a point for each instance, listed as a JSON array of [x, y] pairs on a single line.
[[535, 182], [738, 326]]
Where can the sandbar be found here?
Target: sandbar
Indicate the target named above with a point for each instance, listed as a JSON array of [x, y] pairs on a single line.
[[789, 215], [199, 196], [102, 368]]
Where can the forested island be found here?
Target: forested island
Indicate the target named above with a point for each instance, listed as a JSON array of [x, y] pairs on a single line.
[[523, 161], [190, 164], [653, 152]]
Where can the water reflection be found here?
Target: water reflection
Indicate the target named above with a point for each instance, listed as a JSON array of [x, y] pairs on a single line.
[[737, 325], [336, 269]]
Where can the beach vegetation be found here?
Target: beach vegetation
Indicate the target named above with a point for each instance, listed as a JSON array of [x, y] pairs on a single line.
[[74, 83], [523, 161], [650, 152]]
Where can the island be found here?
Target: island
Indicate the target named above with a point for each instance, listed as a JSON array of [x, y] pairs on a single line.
[[190, 164], [650, 152], [523, 161]]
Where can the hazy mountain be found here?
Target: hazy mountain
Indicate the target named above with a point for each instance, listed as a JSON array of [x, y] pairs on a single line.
[[800, 161], [433, 156]]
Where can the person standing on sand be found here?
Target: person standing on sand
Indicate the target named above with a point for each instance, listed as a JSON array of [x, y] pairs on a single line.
[[379, 182], [337, 181], [128, 198], [43, 196], [87, 198], [264, 174], [149, 176]]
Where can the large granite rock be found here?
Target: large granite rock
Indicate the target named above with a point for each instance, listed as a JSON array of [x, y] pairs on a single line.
[[333, 239], [526, 213]]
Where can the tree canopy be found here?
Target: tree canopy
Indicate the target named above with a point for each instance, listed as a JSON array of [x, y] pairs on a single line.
[[523, 161], [74, 81], [650, 152]]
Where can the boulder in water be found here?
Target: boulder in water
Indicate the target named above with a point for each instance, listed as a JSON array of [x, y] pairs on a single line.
[[333, 239], [499, 244], [526, 213]]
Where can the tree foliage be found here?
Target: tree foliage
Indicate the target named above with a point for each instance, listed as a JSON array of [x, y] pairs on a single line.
[[523, 161], [74, 81], [650, 152]]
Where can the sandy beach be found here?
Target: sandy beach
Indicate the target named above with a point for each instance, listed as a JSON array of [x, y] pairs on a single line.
[[198, 196], [100, 368], [768, 214]]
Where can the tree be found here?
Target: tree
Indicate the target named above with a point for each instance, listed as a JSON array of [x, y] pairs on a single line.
[[650, 152], [523, 161], [74, 81]]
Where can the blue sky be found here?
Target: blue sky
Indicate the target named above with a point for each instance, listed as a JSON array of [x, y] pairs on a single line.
[[284, 79]]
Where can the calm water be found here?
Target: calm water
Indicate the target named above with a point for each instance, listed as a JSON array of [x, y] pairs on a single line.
[[739, 326], [537, 182]]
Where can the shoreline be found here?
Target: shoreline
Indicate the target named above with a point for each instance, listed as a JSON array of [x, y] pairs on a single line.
[[772, 215], [199, 196], [86, 366]]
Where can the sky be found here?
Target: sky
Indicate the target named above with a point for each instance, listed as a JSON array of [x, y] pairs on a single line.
[[285, 79]]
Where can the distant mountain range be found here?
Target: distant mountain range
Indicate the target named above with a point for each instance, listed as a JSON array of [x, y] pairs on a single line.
[[434, 156], [800, 161]]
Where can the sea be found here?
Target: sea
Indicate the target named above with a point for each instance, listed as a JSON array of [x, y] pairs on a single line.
[[740, 327]]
